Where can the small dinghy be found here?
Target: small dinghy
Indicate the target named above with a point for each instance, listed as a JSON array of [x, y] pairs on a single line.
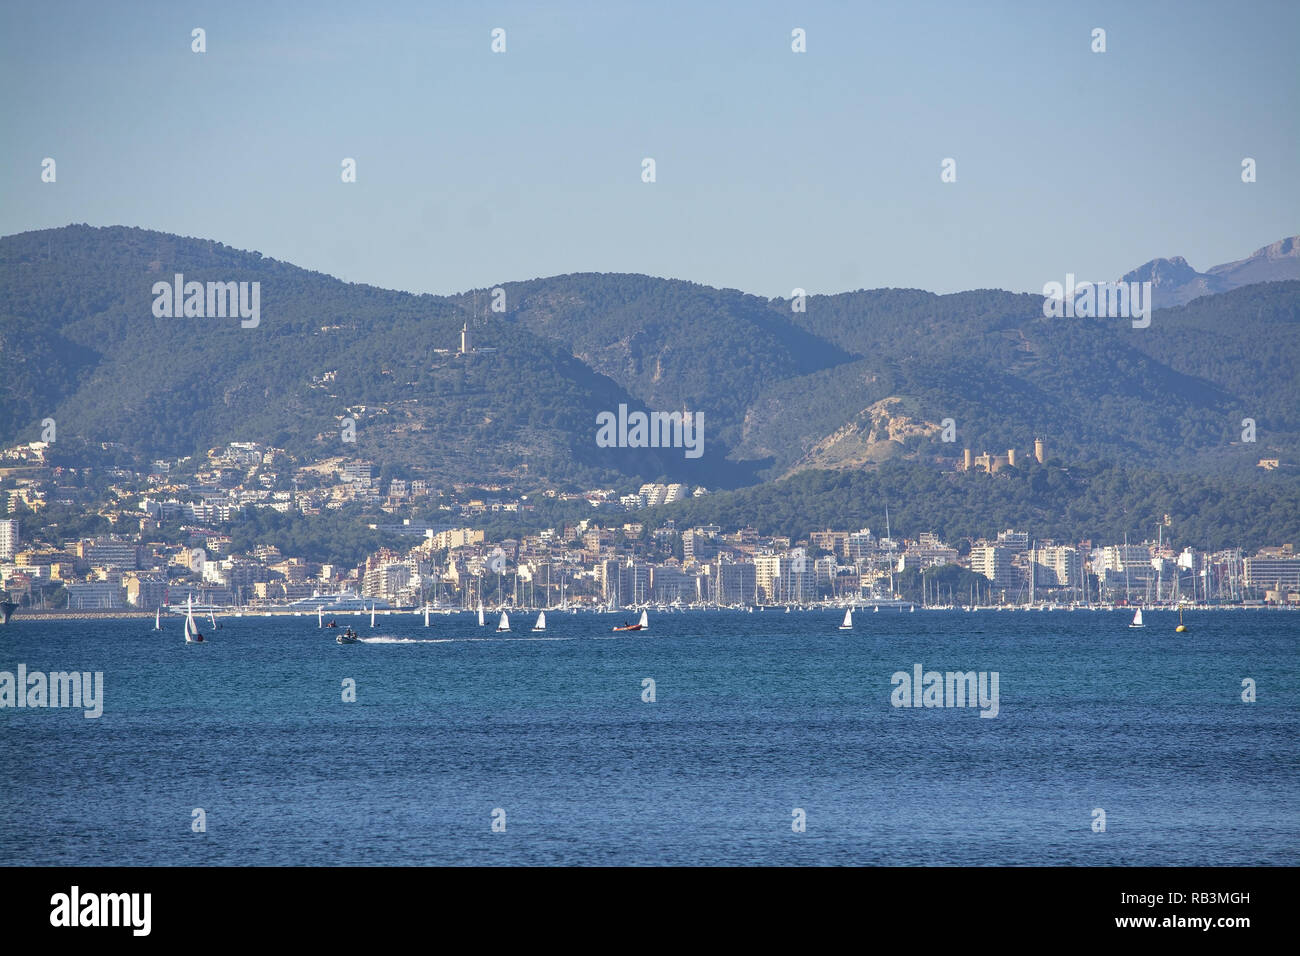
[[642, 625]]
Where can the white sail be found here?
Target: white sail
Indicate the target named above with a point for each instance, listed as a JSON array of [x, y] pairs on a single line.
[[157, 619], [320, 617], [504, 623], [541, 622], [645, 621], [191, 629], [372, 615], [481, 621], [426, 615], [848, 619], [1137, 619], [213, 618]]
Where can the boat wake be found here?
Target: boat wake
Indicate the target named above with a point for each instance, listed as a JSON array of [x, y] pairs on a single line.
[[456, 640], [406, 640]]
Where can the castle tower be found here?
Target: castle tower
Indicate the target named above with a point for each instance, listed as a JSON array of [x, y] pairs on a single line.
[[1040, 450], [966, 460], [1011, 457], [465, 347]]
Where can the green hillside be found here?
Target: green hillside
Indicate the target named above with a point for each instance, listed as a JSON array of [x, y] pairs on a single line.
[[81, 345], [76, 320]]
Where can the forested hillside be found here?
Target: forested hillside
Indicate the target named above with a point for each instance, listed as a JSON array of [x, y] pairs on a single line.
[[775, 385]]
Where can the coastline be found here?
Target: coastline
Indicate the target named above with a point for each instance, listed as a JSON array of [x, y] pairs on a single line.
[[47, 614]]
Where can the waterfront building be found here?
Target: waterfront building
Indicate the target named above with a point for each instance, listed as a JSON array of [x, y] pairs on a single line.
[[8, 538], [1273, 568]]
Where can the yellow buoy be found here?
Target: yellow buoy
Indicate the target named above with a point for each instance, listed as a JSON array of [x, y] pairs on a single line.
[[1179, 629]]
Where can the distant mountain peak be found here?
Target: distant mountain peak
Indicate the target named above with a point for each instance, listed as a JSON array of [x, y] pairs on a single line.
[[1163, 273], [1289, 246], [1175, 282]]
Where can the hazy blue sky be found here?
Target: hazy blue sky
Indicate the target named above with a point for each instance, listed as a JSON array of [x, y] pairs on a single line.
[[775, 169]]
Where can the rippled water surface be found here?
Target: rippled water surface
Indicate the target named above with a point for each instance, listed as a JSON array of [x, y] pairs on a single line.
[[754, 715]]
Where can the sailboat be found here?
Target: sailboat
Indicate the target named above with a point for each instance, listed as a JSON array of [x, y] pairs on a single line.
[[644, 623], [1181, 628], [541, 622], [504, 623], [157, 619], [847, 625], [320, 617], [372, 615], [192, 635], [481, 621], [426, 615], [213, 618], [1137, 619]]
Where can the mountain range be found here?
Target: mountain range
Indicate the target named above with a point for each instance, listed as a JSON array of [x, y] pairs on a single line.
[[843, 381], [1174, 282]]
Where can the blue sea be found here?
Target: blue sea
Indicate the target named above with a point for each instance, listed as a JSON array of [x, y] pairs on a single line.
[[754, 717]]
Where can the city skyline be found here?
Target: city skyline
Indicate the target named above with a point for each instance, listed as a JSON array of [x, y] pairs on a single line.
[[623, 553]]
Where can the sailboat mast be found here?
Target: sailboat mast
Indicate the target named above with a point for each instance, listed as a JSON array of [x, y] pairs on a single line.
[[1032, 561], [1128, 599]]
